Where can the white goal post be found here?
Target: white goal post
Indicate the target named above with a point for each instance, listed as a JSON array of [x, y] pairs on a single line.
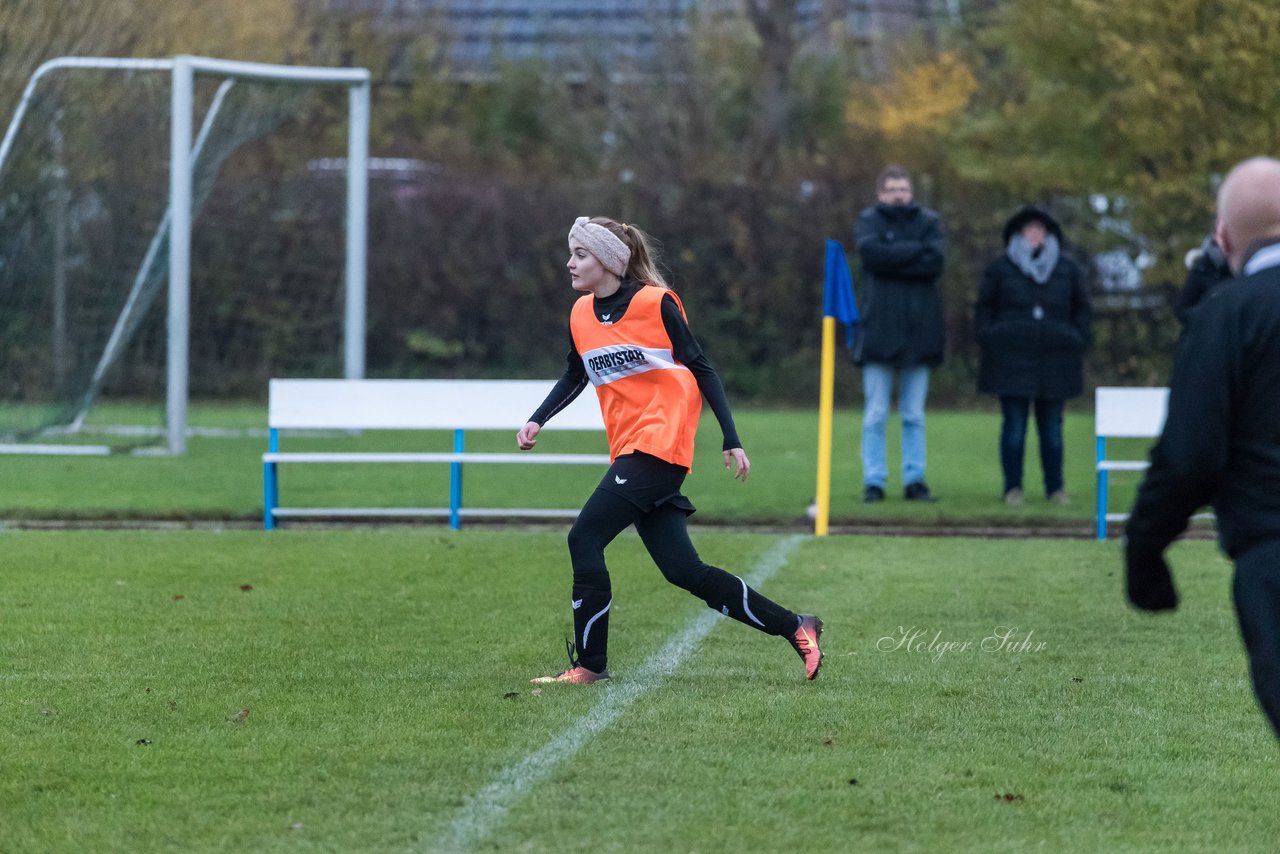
[[179, 217]]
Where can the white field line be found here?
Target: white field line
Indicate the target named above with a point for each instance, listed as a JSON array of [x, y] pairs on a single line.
[[486, 809]]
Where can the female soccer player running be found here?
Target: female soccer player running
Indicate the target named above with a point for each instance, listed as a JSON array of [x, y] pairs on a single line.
[[631, 340]]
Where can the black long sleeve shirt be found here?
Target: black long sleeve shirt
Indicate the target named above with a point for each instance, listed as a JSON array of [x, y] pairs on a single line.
[[1221, 439], [683, 346]]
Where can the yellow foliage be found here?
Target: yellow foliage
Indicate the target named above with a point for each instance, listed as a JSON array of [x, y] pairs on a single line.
[[33, 31], [256, 30], [262, 30], [920, 97], [1147, 102]]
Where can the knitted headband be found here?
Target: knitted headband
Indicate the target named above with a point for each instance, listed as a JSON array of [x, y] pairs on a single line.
[[602, 243]]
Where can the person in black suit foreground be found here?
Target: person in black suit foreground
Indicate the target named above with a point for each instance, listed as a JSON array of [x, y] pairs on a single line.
[[1221, 440]]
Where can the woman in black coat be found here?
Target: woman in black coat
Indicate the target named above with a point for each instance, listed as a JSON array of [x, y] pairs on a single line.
[[1033, 320]]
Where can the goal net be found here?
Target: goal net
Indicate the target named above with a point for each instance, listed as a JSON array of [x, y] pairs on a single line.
[[172, 229]]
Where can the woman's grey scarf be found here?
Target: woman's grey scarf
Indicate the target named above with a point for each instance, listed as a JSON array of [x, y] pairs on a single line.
[[1038, 267]]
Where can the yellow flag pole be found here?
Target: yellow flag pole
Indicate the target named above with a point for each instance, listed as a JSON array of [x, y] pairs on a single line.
[[826, 406]]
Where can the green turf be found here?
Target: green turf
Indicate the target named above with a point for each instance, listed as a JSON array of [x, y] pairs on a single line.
[[385, 676], [222, 478]]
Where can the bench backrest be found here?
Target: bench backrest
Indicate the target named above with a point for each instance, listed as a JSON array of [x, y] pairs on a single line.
[[421, 405], [1129, 412]]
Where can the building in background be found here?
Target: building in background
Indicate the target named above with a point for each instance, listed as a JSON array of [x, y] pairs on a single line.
[[478, 35]]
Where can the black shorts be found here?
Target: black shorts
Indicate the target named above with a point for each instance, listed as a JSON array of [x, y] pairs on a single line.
[[647, 482]]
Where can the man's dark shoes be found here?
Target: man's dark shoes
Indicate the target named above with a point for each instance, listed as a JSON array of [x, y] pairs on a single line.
[[918, 491], [873, 494]]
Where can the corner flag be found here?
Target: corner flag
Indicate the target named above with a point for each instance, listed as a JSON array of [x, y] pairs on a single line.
[[837, 295], [837, 304]]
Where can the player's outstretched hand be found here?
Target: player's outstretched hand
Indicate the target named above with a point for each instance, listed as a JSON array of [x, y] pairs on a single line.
[[735, 460], [528, 435], [1148, 582]]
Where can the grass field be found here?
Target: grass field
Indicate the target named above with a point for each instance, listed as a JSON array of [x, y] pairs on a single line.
[[221, 478], [384, 673]]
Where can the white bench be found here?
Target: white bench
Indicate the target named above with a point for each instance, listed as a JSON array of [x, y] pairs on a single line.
[[1123, 413], [456, 405]]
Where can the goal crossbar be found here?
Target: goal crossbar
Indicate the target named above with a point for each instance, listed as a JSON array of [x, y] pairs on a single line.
[[183, 70], [358, 77]]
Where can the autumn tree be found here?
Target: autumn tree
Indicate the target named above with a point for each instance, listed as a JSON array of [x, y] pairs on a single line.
[[1147, 104]]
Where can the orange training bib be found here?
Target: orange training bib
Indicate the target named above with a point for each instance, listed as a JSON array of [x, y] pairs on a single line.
[[650, 401]]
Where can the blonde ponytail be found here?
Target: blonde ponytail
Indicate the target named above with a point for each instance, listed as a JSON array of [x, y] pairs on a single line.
[[643, 265]]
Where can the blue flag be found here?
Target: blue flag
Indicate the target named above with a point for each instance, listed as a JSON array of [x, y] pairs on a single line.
[[837, 296]]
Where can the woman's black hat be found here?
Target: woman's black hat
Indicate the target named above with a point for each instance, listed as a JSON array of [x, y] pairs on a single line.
[[1031, 213]]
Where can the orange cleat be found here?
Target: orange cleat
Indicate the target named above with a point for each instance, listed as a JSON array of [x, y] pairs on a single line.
[[804, 640], [577, 675]]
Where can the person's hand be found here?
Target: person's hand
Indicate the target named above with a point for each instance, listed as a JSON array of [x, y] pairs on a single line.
[[1148, 583], [735, 460], [528, 435]]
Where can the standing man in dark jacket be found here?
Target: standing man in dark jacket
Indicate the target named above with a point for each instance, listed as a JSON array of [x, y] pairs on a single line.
[[1221, 439], [1032, 319], [902, 247]]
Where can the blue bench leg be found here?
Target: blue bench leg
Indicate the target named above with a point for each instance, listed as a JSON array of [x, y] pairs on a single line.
[[455, 484], [268, 496], [1102, 490], [270, 484]]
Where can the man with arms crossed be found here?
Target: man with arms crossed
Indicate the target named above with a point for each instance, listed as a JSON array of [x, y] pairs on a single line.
[[901, 246]]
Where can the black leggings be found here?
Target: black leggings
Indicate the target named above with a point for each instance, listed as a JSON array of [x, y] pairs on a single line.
[[664, 531]]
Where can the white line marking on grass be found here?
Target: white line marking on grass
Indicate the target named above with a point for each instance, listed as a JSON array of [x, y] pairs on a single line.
[[487, 808]]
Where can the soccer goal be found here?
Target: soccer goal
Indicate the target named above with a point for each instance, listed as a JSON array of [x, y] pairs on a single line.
[[164, 232]]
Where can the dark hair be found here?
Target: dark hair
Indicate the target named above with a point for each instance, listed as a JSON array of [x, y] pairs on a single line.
[[643, 265], [892, 171]]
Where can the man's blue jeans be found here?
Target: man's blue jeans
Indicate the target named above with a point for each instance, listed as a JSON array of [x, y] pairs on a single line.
[[877, 387], [1013, 440]]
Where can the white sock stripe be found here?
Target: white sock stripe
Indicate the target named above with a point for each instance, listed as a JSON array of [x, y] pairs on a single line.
[[586, 631], [745, 609], [485, 810]]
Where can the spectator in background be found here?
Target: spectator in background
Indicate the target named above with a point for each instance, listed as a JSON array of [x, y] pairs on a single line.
[[1032, 319], [1206, 269], [1221, 438], [902, 247]]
